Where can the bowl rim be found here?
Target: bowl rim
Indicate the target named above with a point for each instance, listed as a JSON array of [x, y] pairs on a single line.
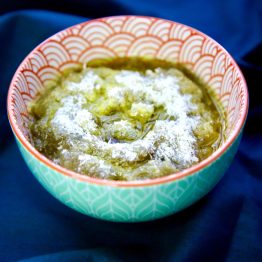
[[137, 183]]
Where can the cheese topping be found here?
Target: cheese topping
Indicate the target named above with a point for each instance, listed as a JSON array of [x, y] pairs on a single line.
[[123, 124]]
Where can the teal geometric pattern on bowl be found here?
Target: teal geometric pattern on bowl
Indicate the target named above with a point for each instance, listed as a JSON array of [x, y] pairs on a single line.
[[129, 204], [127, 36]]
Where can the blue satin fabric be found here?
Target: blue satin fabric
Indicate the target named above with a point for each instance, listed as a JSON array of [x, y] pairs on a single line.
[[226, 225]]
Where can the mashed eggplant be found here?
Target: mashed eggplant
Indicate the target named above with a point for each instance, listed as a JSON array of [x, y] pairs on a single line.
[[127, 119]]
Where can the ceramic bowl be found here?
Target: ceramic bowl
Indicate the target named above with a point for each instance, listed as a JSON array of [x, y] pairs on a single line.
[[125, 36]]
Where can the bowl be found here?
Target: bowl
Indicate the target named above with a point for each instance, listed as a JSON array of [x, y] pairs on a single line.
[[125, 36]]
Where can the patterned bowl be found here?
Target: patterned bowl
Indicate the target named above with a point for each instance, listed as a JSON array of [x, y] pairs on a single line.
[[125, 36]]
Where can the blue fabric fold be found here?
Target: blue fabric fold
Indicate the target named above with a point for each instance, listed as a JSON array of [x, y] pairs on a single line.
[[226, 225]]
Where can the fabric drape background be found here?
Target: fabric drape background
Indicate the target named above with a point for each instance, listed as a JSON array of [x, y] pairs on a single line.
[[226, 225]]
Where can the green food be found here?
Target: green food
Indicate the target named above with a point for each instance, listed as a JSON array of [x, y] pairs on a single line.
[[105, 120]]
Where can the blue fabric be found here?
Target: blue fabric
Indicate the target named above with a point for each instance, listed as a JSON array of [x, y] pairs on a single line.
[[226, 225]]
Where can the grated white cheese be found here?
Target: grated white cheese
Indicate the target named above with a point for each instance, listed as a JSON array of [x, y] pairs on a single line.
[[71, 119], [88, 83], [117, 93], [170, 140]]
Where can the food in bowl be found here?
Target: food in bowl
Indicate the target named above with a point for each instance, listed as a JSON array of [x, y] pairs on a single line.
[[127, 119], [129, 36]]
